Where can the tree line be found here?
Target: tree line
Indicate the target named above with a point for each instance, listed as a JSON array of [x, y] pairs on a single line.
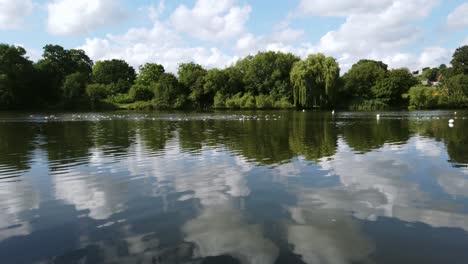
[[69, 79]]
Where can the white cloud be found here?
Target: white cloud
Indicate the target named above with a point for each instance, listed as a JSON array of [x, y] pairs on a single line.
[[378, 33], [71, 17], [211, 20], [434, 56], [341, 7], [157, 44], [13, 13], [459, 17]]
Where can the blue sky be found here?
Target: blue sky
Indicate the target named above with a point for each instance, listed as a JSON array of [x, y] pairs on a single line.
[[215, 33]]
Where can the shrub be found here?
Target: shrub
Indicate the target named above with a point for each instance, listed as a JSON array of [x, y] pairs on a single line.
[[247, 101], [423, 97], [370, 105], [97, 92], [140, 92], [283, 103], [264, 102], [219, 101]]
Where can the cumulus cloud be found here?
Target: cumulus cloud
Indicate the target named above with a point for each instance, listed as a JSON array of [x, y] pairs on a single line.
[[382, 30], [458, 19], [341, 7], [13, 13], [378, 33], [211, 20], [71, 17], [156, 44]]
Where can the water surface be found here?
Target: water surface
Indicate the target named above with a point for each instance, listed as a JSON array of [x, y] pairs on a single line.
[[234, 187]]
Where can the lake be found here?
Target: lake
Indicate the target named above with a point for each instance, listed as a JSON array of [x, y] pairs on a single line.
[[234, 187]]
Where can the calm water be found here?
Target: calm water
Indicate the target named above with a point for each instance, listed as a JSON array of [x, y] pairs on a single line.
[[236, 187]]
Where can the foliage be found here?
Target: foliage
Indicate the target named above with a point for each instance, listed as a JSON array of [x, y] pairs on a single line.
[[74, 88], [168, 93], [430, 74], [16, 84], [69, 78], [149, 73], [359, 80], [423, 97], [115, 73], [370, 105], [315, 81], [97, 92], [457, 85], [140, 92], [268, 73], [460, 60], [192, 78], [388, 90]]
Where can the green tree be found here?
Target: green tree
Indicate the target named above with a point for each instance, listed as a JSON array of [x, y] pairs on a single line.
[[140, 92], [116, 73], [390, 89], [431, 74], [460, 60], [192, 78], [56, 64], [74, 88], [96, 92], [149, 73], [268, 73], [168, 92], [423, 97], [457, 85], [359, 80], [16, 78], [315, 81]]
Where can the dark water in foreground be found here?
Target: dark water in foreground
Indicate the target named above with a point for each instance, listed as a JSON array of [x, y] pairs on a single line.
[[266, 187]]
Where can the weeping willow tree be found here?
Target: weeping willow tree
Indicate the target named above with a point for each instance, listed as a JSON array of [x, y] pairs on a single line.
[[315, 81]]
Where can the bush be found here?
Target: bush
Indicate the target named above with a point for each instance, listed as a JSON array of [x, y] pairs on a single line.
[[234, 102], [283, 104], [120, 99], [423, 97], [97, 92], [247, 101], [219, 100], [140, 92], [370, 105], [264, 102]]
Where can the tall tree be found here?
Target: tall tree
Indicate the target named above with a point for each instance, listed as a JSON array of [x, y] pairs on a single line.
[[460, 60], [359, 80], [192, 78], [149, 73], [268, 73], [390, 89], [16, 78], [115, 73], [168, 92], [315, 81]]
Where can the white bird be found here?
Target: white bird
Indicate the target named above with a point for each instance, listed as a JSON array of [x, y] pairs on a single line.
[[333, 112], [451, 121], [303, 110], [455, 113], [378, 116]]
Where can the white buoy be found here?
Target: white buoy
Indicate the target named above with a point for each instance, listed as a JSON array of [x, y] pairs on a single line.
[[451, 125]]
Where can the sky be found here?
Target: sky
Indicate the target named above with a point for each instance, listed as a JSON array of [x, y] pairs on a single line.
[[216, 33]]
